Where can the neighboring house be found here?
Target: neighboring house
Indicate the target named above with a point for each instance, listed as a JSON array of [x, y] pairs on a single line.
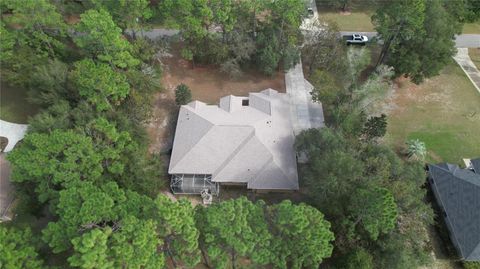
[[457, 192], [242, 141]]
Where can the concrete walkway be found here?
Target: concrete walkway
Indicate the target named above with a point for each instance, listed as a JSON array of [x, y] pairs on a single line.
[[13, 132], [305, 113], [463, 59]]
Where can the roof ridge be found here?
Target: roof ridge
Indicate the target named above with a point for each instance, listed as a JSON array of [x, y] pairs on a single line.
[[236, 151], [454, 173], [194, 110], [191, 148], [263, 168]]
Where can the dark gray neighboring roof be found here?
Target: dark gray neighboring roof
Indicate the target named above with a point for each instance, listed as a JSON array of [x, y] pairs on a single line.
[[458, 194], [476, 165]]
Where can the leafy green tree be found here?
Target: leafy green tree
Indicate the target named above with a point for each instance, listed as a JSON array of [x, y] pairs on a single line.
[[231, 229], [127, 14], [194, 18], [48, 84], [301, 236], [472, 11], [99, 84], [17, 249], [416, 149], [396, 251], [324, 50], [31, 34], [37, 24], [287, 15], [177, 227], [375, 127], [93, 243], [98, 35], [53, 161], [111, 143], [358, 259], [325, 88], [418, 36], [400, 19], [375, 210], [106, 227], [334, 170], [183, 95], [268, 60]]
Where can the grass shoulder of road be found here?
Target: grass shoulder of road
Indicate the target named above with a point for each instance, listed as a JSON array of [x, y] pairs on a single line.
[[471, 28], [358, 18], [474, 54], [14, 106], [443, 112]]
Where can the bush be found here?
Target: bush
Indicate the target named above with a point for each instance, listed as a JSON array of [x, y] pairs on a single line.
[[471, 265], [183, 95]]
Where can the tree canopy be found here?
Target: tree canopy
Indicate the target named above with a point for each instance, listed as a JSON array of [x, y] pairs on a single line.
[[303, 225], [99, 36], [418, 36], [99, 84], [53, 161], [17, 249]]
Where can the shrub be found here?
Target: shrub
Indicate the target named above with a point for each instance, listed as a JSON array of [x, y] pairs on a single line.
[[183, 95]]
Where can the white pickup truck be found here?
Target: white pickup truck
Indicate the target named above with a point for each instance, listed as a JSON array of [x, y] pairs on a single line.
[[355, 39]]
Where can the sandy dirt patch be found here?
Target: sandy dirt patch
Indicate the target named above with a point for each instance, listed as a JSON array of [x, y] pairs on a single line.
[[207, 84]]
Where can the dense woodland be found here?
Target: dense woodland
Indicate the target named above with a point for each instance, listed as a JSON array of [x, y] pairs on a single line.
[[88, 189]]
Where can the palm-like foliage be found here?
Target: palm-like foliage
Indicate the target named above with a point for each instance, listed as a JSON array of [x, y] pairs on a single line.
[[416, 149]]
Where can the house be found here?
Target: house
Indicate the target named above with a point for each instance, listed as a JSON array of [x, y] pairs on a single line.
[[246, 141], [457, 192]]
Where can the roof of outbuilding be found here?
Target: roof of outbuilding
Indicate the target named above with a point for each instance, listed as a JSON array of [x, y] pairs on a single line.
[[458, 193], [234, 142]]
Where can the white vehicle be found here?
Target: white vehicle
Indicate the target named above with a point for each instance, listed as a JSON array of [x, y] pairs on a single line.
[[356, 39]]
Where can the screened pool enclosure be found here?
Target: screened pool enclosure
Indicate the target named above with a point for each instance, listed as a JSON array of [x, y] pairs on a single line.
[[193, 184]]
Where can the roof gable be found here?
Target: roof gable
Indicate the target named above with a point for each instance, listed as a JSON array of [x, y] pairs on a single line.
[[476, 165]]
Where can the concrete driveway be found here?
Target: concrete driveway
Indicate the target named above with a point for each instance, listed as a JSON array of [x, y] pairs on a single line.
[[13, 132], [463, 59], [6, 188]]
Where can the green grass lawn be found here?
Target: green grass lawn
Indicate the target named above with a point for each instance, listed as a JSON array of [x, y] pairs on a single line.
[[358, 18], [474, 54], [444, 112], [471, 28], [14, 106]]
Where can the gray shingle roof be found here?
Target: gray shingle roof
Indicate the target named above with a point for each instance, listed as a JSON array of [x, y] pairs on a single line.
[[476, 165], [251, 144], [458, 194]]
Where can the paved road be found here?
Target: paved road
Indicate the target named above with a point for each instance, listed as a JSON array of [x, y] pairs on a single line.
[[462, 41], [468, 67]]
